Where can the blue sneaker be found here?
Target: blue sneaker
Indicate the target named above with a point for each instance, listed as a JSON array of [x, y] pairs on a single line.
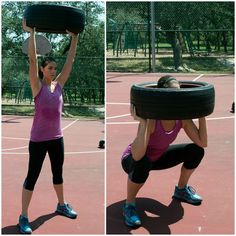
[[130, 215], [66, 210], [24, 225], [187, 194]]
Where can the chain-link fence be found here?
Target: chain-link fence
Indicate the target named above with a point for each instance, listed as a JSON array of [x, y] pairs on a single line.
[[86, 82], [148, 33], [85, 85]]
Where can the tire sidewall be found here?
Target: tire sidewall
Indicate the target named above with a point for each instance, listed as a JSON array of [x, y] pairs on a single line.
[[167, 103]]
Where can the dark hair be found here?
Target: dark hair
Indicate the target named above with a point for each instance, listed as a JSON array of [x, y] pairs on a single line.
[[44, 63], [164, 81]]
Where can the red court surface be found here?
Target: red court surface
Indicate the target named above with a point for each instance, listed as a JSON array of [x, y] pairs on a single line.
[[213, 179], [83, 179]]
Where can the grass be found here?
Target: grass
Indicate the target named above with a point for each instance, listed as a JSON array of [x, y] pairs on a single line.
[[165, 65], [128, 65], [81, 112]]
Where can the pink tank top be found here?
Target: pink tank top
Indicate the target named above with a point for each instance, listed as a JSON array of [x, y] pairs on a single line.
[[47, 117], [159, 141]]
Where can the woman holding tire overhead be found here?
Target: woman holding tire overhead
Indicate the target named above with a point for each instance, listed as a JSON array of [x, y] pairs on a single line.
[[151, 150], [46, 134]]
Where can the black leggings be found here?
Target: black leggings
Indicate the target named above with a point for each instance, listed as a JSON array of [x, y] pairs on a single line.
[[188, 154], [38, 151]]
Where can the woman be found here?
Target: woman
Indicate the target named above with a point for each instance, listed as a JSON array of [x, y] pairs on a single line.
[[151, 150], [46, 134]]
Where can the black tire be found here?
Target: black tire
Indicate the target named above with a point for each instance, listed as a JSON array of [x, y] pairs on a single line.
[[54, 18], [192, 100]]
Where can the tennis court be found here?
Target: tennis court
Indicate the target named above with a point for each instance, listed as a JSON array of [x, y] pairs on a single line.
[[213, 180], [83, 178]]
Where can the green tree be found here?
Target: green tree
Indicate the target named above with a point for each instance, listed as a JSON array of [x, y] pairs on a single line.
[[172, 16], [192, 16], [89, 63]]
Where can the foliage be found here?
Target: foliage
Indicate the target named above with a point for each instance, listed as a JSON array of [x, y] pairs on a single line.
[[165, 65], [128, 26], [187, 15], [81, 112], [88, 68], [195, 15]]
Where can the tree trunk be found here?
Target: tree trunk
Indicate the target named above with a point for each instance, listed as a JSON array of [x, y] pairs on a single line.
[[177, 50], [182, 42]]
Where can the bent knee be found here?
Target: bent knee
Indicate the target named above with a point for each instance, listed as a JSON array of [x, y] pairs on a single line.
[[196, 150], [194, 157]]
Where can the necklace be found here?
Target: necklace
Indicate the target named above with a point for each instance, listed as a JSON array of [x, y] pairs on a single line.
[[51, 88]]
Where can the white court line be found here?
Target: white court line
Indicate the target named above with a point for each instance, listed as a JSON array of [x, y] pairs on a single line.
[[86, 152], [66, 153], [15, 138], [70, 124], [200, 76], [5, 137], [118, 103], [22, 147], [122, 123], [220, 118], [113, 117], [9, 149], [136, 122]]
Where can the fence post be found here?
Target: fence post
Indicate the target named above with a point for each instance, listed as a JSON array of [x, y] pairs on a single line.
[[149, 38], [153, 36], [224, 41]]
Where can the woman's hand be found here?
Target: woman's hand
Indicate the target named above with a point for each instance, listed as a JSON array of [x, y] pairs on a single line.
[[75, 35], [133, 113], [27, 28]]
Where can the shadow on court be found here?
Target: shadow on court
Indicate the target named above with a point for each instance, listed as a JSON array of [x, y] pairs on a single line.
[[13, 119], [113, 81], [155, 216], [9, 121], [14, 229]]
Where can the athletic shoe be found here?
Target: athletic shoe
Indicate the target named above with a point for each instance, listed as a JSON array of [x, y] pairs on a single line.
[[24, 225], [66, 210], [130, 215], [187, 194]]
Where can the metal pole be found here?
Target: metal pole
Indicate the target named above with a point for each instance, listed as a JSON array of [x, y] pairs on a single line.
[[153, 36], [149, 38]]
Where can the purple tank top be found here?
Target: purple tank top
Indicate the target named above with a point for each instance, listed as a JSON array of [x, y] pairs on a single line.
[[159, 141], [47, 117]]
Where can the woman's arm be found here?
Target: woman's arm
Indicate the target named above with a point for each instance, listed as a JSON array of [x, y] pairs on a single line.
[[33, 63], [140, 143], [64, 75], [197, 135]]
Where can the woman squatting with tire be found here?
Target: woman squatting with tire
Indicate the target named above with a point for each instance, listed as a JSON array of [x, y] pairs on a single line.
[[151, 150], [46, 134]]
